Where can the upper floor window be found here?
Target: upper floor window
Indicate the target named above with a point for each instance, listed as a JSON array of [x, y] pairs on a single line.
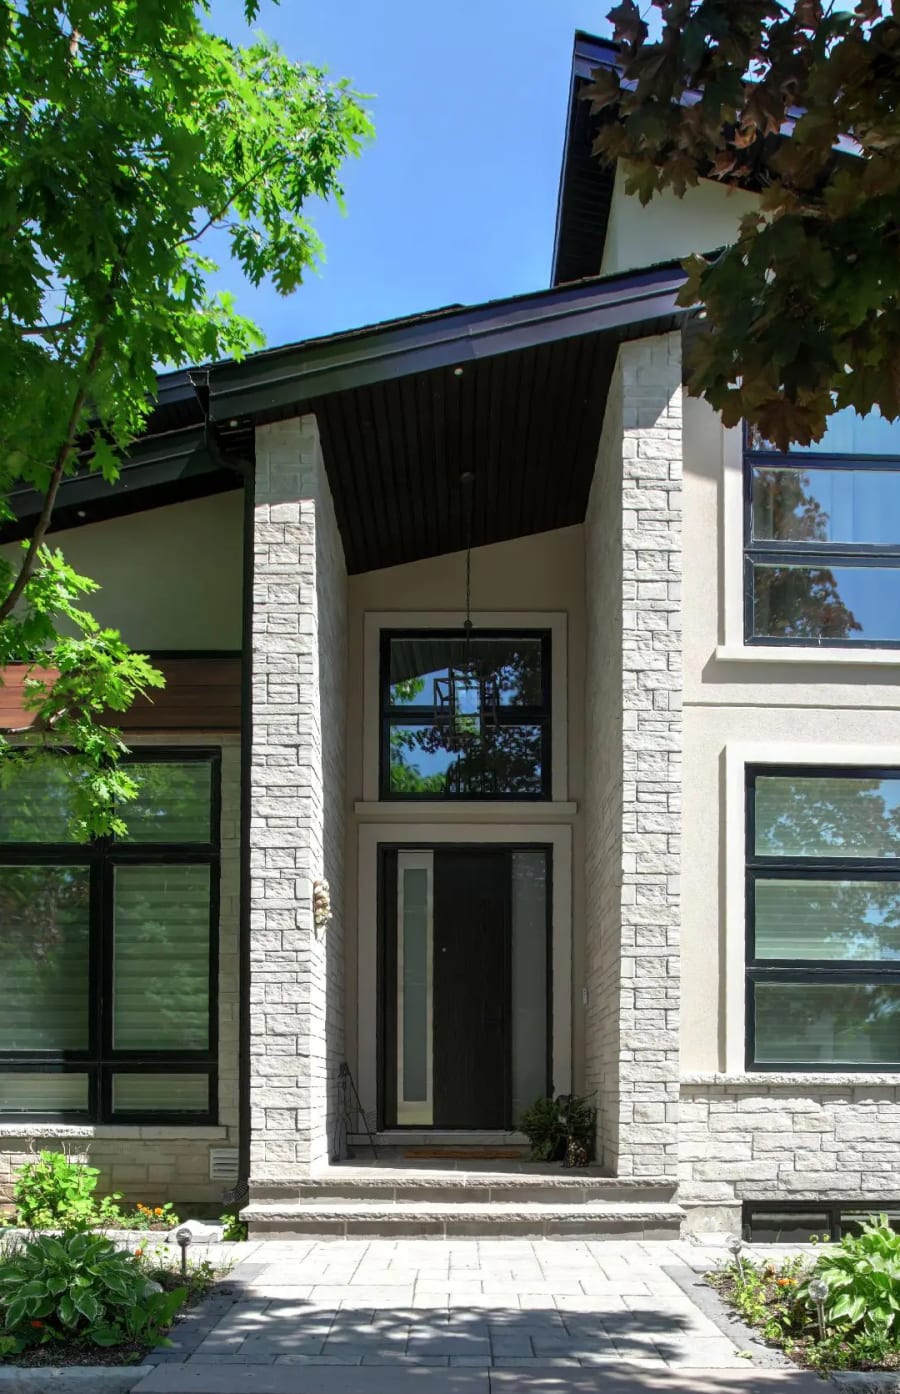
[[109, 948], [822, 537], [500, 745], [823, 919]]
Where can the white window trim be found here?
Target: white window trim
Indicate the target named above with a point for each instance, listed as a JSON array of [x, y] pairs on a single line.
[[371, 836], [738, 755], [378, 620], [733, 649]]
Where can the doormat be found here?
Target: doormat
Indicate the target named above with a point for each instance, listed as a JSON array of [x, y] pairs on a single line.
[[466, 1153]]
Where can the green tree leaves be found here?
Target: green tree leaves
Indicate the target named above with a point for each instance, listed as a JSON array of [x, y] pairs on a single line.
[[128, 132], [797, 101]]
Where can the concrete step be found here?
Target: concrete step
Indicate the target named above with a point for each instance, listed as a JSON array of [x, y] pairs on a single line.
[[383, 1185], [342, 1218]]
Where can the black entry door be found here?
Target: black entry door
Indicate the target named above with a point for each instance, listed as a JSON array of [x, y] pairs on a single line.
[[471, 988], [464, 985]]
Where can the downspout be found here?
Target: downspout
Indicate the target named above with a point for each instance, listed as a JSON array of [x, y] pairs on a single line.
[[246, 467]]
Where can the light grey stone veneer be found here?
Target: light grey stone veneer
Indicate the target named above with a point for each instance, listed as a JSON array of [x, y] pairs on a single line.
[[790, 1137], [297, 789], [634, 762]]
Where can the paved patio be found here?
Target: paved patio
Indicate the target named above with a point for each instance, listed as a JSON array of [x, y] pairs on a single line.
[[513, 1314]]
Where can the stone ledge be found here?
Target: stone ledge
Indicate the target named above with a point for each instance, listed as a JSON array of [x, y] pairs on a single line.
[[71, 1379], [762, 1080], [865, 1380], [130, 1132]]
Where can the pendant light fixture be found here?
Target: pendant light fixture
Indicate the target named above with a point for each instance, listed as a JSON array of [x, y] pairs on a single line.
[[467, 699]]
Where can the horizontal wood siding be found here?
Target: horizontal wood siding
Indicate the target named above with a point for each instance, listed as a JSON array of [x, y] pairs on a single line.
[[201, 694]]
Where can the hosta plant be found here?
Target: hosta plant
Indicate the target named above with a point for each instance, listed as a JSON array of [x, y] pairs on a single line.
[[863, 1277], [80, 1287]]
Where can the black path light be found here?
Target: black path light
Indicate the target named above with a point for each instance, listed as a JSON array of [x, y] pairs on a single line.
[[466, 701]]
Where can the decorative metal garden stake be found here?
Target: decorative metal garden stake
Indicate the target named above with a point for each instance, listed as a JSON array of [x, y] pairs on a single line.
[[818, 1291], [734, 1244], [183, 1237]]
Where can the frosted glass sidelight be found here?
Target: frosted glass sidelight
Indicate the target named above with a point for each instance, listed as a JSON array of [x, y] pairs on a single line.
[[529, 979], [414, 987]]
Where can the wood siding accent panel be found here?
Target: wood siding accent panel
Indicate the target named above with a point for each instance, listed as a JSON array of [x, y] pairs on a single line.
[[201, 694]]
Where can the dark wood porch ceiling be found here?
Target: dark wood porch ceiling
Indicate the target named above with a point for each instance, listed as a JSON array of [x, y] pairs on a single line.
[[526, 424]]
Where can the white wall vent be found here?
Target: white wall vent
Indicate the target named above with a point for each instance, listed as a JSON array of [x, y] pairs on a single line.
[[223, 1164]]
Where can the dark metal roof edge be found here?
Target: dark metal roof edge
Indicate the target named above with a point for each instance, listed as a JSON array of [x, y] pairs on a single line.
[[480, 331], [588, 53]]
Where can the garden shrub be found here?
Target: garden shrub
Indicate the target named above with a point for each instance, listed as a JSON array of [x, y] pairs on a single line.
[[560, 1129], [863, 1277], [80, 1287], [862, 1326], [55, 1192]]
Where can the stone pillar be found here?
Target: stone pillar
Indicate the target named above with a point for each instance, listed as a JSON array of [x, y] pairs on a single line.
[[634, 757], [297, 797]]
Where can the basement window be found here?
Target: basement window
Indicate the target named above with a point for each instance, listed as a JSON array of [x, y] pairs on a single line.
[[780, 1222]]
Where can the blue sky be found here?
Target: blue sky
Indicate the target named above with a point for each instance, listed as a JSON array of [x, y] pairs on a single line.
[[455, 200]]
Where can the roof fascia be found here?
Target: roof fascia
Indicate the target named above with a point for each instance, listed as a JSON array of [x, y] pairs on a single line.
[[272, 382]]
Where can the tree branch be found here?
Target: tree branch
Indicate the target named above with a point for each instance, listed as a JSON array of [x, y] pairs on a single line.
[[26, 571], [45, 330], [235, 193]]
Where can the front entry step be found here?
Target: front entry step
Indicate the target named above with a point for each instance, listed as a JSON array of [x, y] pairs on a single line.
[[448, 1219]]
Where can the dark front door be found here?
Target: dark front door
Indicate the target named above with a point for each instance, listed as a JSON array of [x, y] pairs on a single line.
[[464, 985], [471, 988]]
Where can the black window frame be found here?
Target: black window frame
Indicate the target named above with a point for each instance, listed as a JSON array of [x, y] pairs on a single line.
[[541, 716], [840, 1216], [808, 971], [99, 1060], [792, 552]]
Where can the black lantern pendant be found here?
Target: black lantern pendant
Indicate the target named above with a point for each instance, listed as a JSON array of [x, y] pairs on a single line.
[[466, 701]]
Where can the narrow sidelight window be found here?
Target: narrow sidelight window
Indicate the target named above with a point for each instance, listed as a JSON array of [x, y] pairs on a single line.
[[822, 537], [823, 919], [109, 948]]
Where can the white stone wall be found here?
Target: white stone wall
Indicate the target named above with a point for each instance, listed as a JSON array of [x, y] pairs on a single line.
[[635, 762], [155, 1164], [789, 1137], [297, 794], [603, 780]]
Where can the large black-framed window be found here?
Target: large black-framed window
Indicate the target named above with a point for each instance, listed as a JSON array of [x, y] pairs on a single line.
[[823, 918], [510, 759], [822, 538], [110, 948]]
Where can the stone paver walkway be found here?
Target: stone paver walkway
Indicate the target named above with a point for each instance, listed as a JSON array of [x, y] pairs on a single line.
[[544, 1308]]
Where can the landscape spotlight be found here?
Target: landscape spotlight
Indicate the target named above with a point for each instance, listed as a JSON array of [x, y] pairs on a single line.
[[818, 1291]]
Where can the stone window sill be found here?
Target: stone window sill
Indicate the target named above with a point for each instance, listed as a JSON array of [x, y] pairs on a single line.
[[126, 1131], [833, 658], [463, 811], [760, 1079]]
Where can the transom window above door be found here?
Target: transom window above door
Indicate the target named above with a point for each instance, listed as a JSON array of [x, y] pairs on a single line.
[[465, 719], [822, 537]]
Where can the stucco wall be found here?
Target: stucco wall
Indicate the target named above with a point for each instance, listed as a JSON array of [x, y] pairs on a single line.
[[759, 1136], [670, 227], [155, 1164], [170, 578]]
